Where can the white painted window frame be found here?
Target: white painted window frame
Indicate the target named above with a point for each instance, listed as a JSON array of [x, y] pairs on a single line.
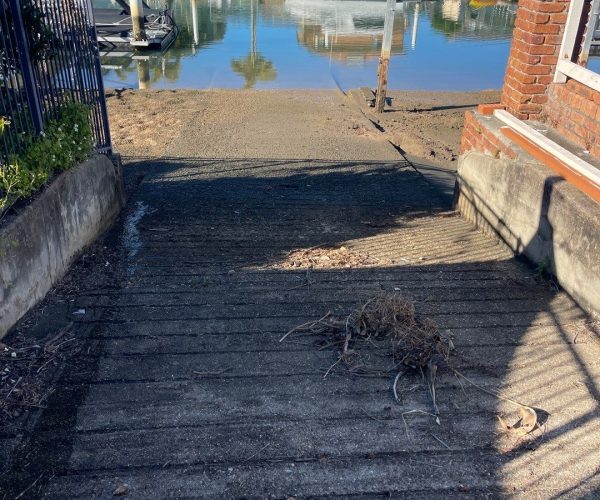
[[565, 67]]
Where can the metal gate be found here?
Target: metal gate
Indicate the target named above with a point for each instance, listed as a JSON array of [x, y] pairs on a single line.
[[48, 56]]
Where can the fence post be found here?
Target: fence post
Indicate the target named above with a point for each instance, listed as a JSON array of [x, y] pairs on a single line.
[[100, 81], [33, 97]]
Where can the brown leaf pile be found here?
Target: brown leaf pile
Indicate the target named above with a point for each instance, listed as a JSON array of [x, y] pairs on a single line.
[[324, 258], [389, 323]]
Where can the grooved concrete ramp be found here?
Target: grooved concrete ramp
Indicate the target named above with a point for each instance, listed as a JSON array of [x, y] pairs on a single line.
[[183, 389]]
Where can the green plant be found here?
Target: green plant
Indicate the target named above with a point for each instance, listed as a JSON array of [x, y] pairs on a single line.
[[42, 40], [66, 142], [544, 267]]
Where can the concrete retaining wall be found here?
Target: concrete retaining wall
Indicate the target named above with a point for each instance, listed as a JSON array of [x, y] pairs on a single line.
[[38, 245], [538, 215]]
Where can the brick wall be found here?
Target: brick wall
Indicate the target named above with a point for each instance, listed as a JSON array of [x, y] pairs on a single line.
[[529, 92], [479, 136], [533, 56], [574, 110]]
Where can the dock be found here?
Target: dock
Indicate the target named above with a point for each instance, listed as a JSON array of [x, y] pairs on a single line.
[[114, 28]]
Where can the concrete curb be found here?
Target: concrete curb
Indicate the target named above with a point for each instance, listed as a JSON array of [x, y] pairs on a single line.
[[538, 215], [38, 245]]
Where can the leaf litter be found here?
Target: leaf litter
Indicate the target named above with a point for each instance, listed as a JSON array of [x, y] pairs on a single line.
[[387, 337], [26, 370], [327, 258]]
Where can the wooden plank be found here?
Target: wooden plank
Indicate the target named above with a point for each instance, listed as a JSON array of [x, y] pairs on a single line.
[[569, 40], [577, 171], [583, 75]]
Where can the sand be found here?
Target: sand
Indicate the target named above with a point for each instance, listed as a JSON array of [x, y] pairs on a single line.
[[289, 124]]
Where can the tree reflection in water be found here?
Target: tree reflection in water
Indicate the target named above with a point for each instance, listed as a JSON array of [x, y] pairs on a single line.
[[254, 67]]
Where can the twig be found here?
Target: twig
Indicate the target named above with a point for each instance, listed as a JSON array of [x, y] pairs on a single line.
[[20, 495], [439, 440], [304, 325], [496, 394], [394, 386], [431, 372], [258, 452], [13, 388], [45, 364], [437, 419], [331, 367], [348, 337], [60, 334]]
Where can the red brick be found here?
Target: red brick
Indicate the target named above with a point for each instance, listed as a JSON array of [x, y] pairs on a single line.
[[532, 88], [520, 76], [545, 79], [553, 39], [528, 58], [533, 17], [558, 18], [542, 6], [527, 35], [539, 99], [550, 29], [579, 119], [552, 60], [580, 131], [582, 90], [533, 69], [530, 108], [488, 109], [542, 50]]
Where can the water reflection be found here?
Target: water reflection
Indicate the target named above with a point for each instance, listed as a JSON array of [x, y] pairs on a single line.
[[481, 19], [349, 31], [442, 44], [254, 67]]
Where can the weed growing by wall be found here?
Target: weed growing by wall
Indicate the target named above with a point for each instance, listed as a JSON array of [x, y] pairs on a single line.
[[65, 143]]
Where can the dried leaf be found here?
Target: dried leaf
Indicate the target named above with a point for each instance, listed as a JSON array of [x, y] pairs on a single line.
[[121, 490], [524, 425]]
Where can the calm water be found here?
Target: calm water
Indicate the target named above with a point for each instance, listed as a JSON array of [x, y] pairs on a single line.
[[437, 45]]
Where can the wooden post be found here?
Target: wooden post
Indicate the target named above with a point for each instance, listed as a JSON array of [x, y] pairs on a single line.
[[137, 18], [384, 60]]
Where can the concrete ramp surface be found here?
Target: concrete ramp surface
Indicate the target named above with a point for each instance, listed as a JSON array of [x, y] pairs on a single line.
[[183, 390]]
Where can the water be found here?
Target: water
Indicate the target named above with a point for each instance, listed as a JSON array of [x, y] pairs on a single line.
[[437, 45]]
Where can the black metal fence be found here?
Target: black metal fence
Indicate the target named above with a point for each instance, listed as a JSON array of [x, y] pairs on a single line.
[[48, 56]]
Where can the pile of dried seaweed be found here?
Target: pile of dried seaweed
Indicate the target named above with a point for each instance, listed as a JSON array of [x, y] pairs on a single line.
[[26, 370], [385, 335], [327, 258]]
